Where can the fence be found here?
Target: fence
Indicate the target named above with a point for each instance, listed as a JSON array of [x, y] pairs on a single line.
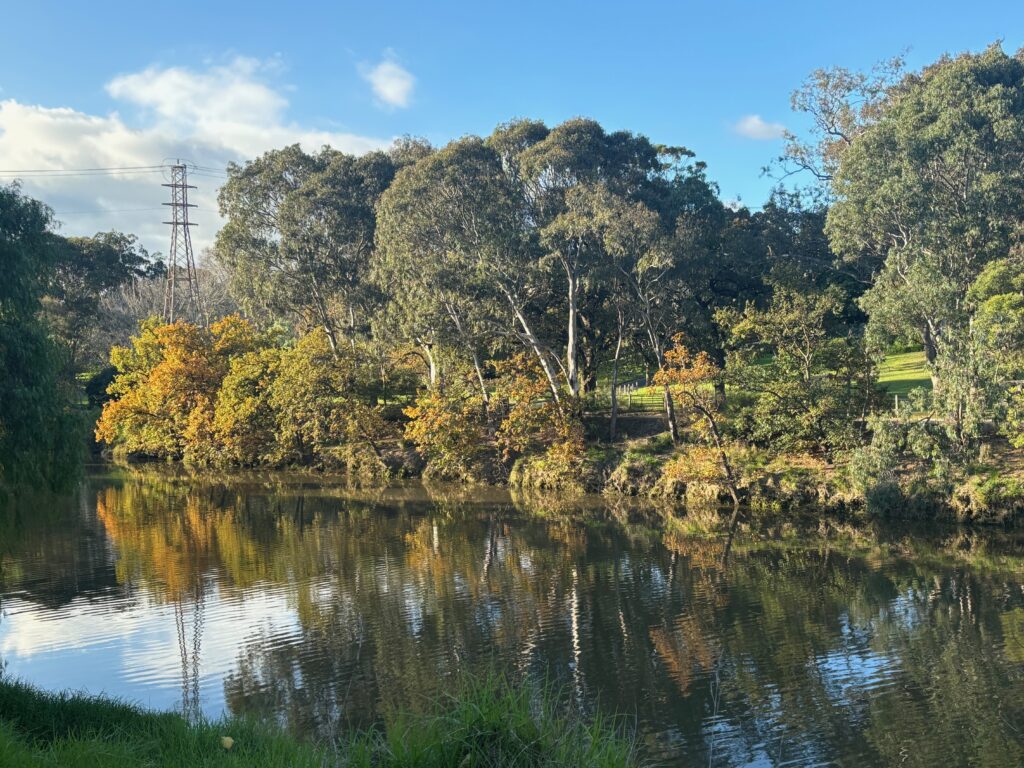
[[631, 399]]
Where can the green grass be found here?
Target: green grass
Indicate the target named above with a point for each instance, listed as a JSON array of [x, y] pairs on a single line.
[[898, 374], [484, 723], [903, 372]]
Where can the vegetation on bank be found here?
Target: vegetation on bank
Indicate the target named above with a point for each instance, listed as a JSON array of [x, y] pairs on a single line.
[[456, 311], [485, 723]]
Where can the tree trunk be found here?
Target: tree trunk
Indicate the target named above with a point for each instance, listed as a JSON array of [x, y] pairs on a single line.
[[730, 478], [535, 346], [480, 377], [331, 338], [670, 414], [325, 318], [431, 366], [485, 397], [719, 359], [615, 384], [931, 352], [572, 373], [352, 328]]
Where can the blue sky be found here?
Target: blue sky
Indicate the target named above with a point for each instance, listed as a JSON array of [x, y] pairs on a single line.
[[117, 83]]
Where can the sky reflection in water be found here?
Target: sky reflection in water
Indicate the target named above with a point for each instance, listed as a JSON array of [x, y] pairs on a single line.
[[323, 608]]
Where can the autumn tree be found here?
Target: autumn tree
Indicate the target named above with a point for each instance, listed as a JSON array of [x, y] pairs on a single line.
[[166, 385], [692, 378]]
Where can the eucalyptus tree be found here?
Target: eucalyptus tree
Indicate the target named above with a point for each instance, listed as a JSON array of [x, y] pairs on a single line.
[[84, 270], [680, 256], [554, 175], [454, 255], [327, 235], [300, 232], [249, 244], [934, 190], [841, 104], [641, 276]]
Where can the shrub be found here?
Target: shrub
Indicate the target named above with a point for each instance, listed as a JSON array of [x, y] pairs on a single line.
[[450, 432]]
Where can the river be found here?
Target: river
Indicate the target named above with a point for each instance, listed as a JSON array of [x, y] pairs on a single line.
[[293, 597]]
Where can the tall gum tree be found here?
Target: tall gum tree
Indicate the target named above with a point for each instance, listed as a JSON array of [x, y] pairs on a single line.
[[933, 190], [575, 155], [300, 234], [453, 249]]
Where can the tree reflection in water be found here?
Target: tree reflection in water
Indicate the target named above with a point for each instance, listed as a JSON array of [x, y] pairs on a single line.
[[879, 647]]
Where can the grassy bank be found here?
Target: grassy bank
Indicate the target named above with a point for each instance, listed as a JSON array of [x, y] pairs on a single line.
[[486, 723]]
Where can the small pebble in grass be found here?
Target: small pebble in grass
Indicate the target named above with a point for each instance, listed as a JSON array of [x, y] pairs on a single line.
[[227, 742]]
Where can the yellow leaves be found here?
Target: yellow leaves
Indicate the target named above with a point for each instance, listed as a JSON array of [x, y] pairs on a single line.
[[448, 429], [169, 373], [233, 335], [166, 386], [694, 464], [685, 370], [534, 422]]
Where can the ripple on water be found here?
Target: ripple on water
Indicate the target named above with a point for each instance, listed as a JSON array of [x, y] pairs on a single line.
[[322, 613]]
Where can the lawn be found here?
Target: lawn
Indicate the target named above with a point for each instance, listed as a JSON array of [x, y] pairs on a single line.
[[898, 374], [903, 372]]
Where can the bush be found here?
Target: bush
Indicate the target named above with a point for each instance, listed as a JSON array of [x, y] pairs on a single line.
[[449, 430], [991, 498]]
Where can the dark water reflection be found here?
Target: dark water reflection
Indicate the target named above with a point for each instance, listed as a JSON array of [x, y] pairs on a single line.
[[324, 609]]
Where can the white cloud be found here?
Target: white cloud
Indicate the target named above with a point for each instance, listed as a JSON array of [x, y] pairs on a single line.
[[391, 84], [226, 112], [754, 127]]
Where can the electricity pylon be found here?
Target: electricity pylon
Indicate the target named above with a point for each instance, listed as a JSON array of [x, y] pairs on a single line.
[[181, 264]]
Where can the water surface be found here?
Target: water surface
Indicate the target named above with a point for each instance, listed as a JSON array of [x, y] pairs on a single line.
[[294, 598]]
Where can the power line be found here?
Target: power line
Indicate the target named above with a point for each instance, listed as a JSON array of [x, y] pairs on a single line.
[[122, 170], [107, 210], [83, 170], [73, 174]]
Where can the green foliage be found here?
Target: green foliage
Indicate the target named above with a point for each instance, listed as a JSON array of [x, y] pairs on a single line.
[[805, 377], [990, 498], [85, 268], [931, 188], [40, 436], [299, 233], [322, 414]]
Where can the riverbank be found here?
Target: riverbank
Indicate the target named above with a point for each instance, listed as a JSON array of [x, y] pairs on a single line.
[[689, 478], [485, 723], [989, 491]]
